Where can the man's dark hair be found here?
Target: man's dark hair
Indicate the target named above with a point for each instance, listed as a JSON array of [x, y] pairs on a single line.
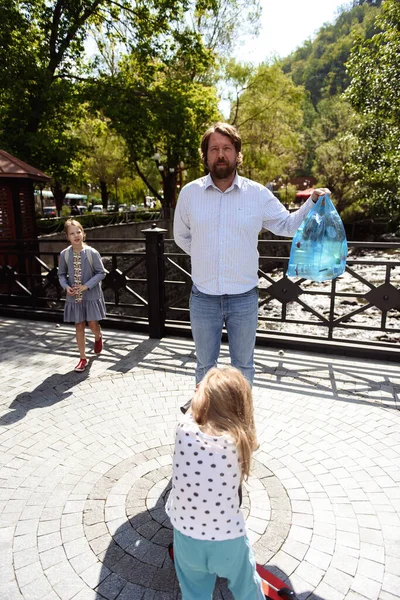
[[224, 129]]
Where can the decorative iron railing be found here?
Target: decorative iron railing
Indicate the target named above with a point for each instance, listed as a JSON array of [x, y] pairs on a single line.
[[148, 287]]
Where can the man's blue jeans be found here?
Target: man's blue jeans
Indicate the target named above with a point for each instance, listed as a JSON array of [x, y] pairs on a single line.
[[239, 314]]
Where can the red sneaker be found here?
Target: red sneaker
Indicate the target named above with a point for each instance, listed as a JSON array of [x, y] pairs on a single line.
[[81, 366], [98, 345]]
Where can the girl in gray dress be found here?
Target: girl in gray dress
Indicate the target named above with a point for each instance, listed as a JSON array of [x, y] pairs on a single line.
[[80, 272]]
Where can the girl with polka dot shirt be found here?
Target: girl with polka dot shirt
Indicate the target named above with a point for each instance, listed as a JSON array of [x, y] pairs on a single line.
[[213, 448]]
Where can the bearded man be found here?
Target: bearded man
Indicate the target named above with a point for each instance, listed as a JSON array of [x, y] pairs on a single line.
[[217, 221]]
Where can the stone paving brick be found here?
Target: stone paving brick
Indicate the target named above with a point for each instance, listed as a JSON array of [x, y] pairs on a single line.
[[68, 589], [296, 549], [303, 520], [372, 536], [391, 584], [85, 461], [345, 562], [338, 580], [347, 539], [387, 596], [319, 559], [311, 574], [328, 593], [37, 589], [85, 594], [323, 544], [371, 569], [300, 534], [52, 557], [366, 586], [25, 557], [372, 552]]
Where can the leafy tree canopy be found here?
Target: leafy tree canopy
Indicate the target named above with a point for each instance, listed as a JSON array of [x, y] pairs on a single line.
[[42, 60], [165, 114], [162, 106], [331, 135], [161, 88], [267, 109], [374, 68]]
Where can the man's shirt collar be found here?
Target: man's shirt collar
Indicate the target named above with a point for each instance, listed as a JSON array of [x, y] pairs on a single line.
[[236, 182]]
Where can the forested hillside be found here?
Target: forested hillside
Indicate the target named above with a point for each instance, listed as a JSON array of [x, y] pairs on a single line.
[[320, 65]]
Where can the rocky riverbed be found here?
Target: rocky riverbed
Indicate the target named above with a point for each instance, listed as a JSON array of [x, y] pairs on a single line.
[[368, 269]]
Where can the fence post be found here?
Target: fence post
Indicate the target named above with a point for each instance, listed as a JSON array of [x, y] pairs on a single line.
[[155, 280]]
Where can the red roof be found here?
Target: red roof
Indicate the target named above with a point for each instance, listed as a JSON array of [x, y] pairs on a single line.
[[304, 193], [13, 167]]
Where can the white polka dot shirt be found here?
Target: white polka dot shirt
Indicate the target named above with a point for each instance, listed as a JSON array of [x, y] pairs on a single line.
[[219, 230], [204, 501]]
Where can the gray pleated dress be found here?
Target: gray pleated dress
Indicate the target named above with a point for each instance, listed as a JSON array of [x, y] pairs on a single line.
[[82, 270]]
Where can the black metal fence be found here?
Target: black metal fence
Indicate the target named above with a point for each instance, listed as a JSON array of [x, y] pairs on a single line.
[[148, 285]]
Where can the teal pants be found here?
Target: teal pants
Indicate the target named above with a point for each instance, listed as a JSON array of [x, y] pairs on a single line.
[[198, 562]]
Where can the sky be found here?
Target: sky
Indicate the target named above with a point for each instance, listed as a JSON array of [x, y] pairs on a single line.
[[285, 25]]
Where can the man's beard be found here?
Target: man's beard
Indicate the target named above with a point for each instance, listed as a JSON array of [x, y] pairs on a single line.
[[222, 170]]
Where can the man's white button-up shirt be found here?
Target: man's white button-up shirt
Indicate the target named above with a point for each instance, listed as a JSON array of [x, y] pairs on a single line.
[[219, 230]]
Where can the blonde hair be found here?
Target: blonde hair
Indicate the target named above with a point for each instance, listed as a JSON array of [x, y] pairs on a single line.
[[73, 223], [224, 403]]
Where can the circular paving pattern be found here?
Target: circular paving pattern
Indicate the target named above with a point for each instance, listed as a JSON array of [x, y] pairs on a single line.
[[127, 506], [85, 472]]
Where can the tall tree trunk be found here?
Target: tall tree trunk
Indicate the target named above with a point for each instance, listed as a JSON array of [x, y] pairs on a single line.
[[169, 186], [104, 193], [59, 195]]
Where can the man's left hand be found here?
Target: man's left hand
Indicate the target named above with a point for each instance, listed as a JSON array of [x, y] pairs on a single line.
[[319, 192]]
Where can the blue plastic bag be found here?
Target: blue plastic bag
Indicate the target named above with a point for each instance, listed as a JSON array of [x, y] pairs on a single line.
[[319, 247]]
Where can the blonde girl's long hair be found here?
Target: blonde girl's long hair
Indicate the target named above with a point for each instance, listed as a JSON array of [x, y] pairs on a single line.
[[223, 404]]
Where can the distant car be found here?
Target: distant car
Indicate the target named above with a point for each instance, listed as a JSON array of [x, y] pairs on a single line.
[[133, 207], [49, 211], [111, 208], [82, 209], [97, 208], [122, 208]]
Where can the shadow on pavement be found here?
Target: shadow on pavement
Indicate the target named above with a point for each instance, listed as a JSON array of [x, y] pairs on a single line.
[[323, 376], [136, 563], [51, 390], [137, 566], [340, 378]]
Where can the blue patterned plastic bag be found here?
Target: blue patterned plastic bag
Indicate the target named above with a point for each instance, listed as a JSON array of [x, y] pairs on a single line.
[[319, 247]]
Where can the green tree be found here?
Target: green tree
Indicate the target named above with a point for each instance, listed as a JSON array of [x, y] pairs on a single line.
[[333, 142], [374, 92], [105, 158], [43, 73], [268, 113], [26, 95], [222, 23], [162, 106], [161, 115]]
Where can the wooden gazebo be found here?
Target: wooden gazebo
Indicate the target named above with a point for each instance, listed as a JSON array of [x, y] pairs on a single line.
[[17, 203]]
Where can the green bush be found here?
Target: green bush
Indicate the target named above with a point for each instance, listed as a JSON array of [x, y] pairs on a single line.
[[354, 212], [55, 224]]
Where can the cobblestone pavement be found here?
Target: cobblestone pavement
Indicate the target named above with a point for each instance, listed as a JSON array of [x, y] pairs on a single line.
[[85, 464]]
